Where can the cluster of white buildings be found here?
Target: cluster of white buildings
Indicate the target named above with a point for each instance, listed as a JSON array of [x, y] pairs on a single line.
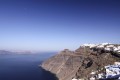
[[106, 46], [111, 72]]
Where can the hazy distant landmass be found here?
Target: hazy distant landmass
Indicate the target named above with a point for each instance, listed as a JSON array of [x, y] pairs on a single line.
[[5, 52]]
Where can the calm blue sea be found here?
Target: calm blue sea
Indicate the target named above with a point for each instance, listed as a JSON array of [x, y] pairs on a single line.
[[24, 67]]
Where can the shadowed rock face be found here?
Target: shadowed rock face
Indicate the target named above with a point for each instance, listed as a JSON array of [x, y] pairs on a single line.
[[78, 64], [47, 75]]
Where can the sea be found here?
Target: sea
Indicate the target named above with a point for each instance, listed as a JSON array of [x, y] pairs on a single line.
[[25, 67]]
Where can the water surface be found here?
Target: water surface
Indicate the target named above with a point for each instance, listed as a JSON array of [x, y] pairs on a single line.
[[24, 67]]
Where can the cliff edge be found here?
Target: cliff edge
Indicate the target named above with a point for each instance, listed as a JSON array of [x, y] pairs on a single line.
[[80, 63]]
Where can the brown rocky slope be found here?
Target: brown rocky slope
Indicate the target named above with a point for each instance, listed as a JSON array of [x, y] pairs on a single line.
[[80, 63]]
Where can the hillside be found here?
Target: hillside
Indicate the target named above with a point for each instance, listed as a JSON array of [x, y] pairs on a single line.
[[79, 64]]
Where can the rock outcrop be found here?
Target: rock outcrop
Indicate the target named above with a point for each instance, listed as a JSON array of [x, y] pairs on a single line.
[[79, 63]]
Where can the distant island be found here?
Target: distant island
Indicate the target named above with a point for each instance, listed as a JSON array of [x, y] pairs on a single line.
[[5, 52], [88, 62]]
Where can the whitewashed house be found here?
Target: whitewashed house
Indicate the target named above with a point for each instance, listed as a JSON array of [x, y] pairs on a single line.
[[113, 70], [92, 78], [74, 79]]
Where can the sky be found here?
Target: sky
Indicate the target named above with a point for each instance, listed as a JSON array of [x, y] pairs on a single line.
[[53, 25]]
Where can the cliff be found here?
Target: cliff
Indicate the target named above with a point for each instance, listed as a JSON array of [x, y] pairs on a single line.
[[79, 63]]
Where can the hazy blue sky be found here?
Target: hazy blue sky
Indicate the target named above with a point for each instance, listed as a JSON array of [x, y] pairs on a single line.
[[51, 25]]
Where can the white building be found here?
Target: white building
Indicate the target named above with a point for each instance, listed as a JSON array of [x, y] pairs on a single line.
[[93, 72], [100, 46], [108, 49], [92, 78], [74, 79], [77, 79], [115, 48], [89, 45], [117, 63], [105, 44], [113, 70], [119, 47], [100, 75], [110, 46]]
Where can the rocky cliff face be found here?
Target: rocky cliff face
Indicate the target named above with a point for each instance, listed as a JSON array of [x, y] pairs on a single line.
[[80, 63]]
